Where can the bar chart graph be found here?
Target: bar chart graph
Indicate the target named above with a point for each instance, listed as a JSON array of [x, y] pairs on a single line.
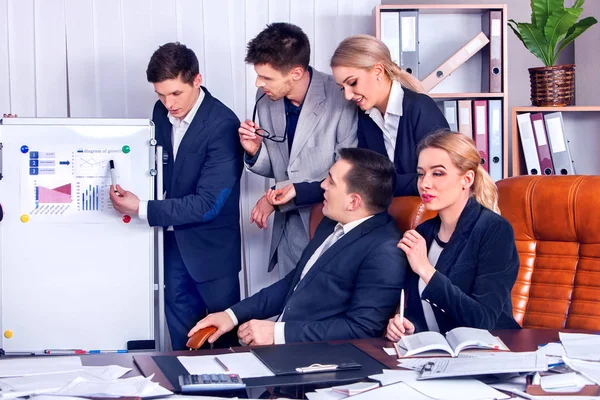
[[92, 196]]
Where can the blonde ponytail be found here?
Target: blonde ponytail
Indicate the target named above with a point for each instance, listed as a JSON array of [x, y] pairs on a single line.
[[364, 51], [484, 190], [465, 157]]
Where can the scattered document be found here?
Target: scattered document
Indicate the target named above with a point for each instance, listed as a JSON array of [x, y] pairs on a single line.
[[399, 391], [355, 388], [325, 394], [30, 366], [131, 387], [590, 370], [246, 365], [389, 351], [570, 382], [581, 346], [41, 384], [441, 389], [491, 363]]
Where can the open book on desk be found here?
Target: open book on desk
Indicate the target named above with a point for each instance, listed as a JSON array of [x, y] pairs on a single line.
[[428, 344]]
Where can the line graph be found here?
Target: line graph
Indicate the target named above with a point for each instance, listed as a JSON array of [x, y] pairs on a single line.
[[95, 165]]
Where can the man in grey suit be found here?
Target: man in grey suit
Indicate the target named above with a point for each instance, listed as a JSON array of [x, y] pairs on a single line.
[[304, 121]]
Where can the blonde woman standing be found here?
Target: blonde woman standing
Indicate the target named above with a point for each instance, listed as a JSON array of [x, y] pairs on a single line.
[[464, 261], [394, 114]]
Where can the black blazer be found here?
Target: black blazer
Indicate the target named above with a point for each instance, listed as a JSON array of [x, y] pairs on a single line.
[[349, 293], [420, 117], [203, 189], [474, 274]]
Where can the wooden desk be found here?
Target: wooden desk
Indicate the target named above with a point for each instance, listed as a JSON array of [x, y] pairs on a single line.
[[516, 340]]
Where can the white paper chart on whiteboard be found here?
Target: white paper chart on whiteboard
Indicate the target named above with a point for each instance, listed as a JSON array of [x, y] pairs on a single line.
[[63, 184]]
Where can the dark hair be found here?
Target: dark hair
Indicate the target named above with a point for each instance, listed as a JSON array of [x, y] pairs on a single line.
[[281, 45], [372, 175], [170, 61]]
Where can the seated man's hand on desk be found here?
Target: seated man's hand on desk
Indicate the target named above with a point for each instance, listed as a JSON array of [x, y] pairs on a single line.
[[257, 332], [221, 320]]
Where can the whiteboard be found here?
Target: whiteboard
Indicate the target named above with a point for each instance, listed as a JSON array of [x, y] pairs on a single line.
[[74, 274]]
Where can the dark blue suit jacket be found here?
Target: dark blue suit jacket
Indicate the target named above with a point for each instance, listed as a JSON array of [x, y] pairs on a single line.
[[474, 274], [420, 117], [203, 189], [350, 292]]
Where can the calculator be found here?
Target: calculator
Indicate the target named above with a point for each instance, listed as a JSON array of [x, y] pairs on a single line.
[[208, 382]]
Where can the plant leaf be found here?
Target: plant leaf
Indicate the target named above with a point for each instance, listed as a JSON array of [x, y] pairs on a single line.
[[575, 31], [558, 25], [578, 4], [535, 41], [542, 9]]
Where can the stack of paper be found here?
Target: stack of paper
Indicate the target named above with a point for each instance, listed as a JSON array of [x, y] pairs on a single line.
[[581, 346], [246, 365], [30, 366], [137, 386]]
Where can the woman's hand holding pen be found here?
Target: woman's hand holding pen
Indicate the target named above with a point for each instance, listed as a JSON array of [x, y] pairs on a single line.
[[399, 327], [281, 196], [415, 248]]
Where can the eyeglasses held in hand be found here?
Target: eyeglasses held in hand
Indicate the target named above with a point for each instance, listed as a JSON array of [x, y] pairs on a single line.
[[263, 132]]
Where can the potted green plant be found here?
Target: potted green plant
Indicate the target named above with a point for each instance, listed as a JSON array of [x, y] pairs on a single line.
[[552, 28]]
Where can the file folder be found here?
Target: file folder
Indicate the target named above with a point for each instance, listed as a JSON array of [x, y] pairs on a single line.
[[480, 128], [528, 143], [458, 59], [559, 145], [541, 140], [464, 118], [390, 33], [450, 112], [409, 42], [491, 78], [495, 123]]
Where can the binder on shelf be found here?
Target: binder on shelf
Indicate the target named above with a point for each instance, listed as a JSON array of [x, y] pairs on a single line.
[[495, 123], [528, 143], [409, 42], [491, 78], [541, 140], [390, 33], [559, 145], [450, 112], [480, 131], [464, 118], [458, 59]]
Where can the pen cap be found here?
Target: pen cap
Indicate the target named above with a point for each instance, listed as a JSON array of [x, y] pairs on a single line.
[[112, 164]]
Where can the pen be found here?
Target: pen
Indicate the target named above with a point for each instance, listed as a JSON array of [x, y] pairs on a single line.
[[402, 307], [106, 351], [113, 175], [221, 364]]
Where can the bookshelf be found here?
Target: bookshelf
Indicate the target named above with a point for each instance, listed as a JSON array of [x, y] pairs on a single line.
[[582, 129], [439, 39]]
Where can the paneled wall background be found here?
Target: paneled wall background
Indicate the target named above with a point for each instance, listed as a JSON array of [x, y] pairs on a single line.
[[87, 58]]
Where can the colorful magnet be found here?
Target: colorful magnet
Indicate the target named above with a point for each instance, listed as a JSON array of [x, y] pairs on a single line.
[[24, 149], [24, 218], [126, 219], [126, 149], [8, 333]]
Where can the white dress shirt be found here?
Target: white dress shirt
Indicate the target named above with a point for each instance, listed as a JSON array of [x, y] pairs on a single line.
[[389, 122], [180, 127], [433, 255], [279, 334]]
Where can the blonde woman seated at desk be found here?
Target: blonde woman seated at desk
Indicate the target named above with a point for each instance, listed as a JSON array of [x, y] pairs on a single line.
[[464, 261]]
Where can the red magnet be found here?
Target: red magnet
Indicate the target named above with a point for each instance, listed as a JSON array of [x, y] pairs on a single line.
[[126, 219]]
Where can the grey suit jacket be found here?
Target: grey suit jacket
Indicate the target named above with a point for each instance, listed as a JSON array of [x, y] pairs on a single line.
[[327, 123]]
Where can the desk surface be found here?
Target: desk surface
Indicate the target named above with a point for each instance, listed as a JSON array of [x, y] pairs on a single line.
[[516, 340]]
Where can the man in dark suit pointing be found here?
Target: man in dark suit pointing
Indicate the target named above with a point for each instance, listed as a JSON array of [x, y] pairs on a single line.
[[349, 277], [200, 212]]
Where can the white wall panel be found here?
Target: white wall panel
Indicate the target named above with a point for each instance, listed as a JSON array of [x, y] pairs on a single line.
[[137, 50], [110, 60], [302, 13], [50, 58], [81, 59], [4, 70], [190, 28], [279, 11], [326, 33], [21, 57]]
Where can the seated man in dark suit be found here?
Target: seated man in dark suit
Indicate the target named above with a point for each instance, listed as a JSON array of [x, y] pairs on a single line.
[[349, 278]]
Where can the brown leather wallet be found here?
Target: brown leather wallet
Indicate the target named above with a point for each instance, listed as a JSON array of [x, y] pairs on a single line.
[[198, 338]]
